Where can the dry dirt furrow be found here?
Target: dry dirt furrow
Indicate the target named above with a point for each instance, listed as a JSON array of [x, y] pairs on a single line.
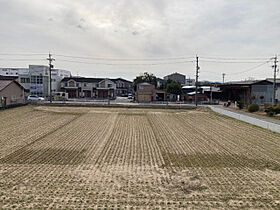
[[101, 158]]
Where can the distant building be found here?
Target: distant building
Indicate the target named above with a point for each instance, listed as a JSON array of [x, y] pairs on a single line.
[[176, 77], [124, 87], [147, 92], [95, 88], [190, 82], [11, 93], [161, 83], [250, 91], [36, 78]]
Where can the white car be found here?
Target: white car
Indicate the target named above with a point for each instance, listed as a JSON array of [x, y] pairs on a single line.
[[35, 98]]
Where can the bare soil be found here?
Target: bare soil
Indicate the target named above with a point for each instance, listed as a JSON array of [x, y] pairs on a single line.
[[96, 158]]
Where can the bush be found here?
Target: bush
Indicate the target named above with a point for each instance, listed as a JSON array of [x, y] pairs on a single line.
[[272, 110], [240, 104], [253, 108]]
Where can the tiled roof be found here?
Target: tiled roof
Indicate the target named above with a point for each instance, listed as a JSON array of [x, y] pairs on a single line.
[[4, 84], [124, 80], [247, 82], [82, 79]]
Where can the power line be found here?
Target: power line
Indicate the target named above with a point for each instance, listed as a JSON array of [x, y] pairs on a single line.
[[124, 59], [240, 72], [22, 54], [217, 61], [250, 69], [126, 64], [20, 59], [234, 58]]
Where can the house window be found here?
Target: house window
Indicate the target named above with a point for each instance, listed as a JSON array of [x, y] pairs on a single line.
[[85, 84], [13, 98], [141, 87], [109, 85], [71, 84]]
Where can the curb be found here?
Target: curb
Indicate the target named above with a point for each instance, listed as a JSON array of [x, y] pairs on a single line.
[[254, 121]]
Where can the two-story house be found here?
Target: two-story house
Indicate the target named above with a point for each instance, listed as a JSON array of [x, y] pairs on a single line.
[[124, 87], [147, 92], [95, 88]]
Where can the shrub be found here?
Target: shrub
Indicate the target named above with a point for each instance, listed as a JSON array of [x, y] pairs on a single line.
[[253, 108], [240, 104], [272, 110]]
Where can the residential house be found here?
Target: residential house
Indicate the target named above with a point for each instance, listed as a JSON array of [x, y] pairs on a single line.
[[11, 93], [176, 77], [161, 83], [95, 88], [147, 92], [124, 87]]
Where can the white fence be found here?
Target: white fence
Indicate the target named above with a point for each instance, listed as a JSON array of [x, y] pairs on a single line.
[[254, 121]]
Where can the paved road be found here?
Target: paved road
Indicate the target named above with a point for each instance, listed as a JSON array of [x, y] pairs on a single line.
[[264, 118], [261, 121]]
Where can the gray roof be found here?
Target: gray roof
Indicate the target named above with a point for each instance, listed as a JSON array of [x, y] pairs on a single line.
[[246, 82], [251, 82], [145, 83], [272, 80], [121, 79], [82, 79], [6, 82]]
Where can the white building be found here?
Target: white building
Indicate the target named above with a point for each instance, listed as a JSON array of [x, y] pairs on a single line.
[[36, 78]]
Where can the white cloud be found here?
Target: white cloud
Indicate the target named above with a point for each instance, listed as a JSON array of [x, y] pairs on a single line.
[[147, 28]]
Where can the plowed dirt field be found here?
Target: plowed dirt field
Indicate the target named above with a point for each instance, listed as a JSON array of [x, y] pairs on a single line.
[[109, 158]]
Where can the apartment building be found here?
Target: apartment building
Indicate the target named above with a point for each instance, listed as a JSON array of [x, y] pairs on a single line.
[[36, 78]]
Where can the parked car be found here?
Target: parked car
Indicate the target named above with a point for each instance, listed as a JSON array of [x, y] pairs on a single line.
[[124, 95], [130, 96], [35, 98]]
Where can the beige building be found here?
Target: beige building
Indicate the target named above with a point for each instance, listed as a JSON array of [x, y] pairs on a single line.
[[11, 93], [147, 92]]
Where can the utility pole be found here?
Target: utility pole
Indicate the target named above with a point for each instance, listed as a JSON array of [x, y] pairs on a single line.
[[50, 59], [224, 77], [196, 80], [211, 94], [274, 80]]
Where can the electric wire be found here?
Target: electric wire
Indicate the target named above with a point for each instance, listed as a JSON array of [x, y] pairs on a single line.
[[123, 59], [126, 64]]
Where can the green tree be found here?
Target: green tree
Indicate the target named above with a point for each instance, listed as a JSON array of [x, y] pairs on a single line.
[[173, 87], [146, 77]]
